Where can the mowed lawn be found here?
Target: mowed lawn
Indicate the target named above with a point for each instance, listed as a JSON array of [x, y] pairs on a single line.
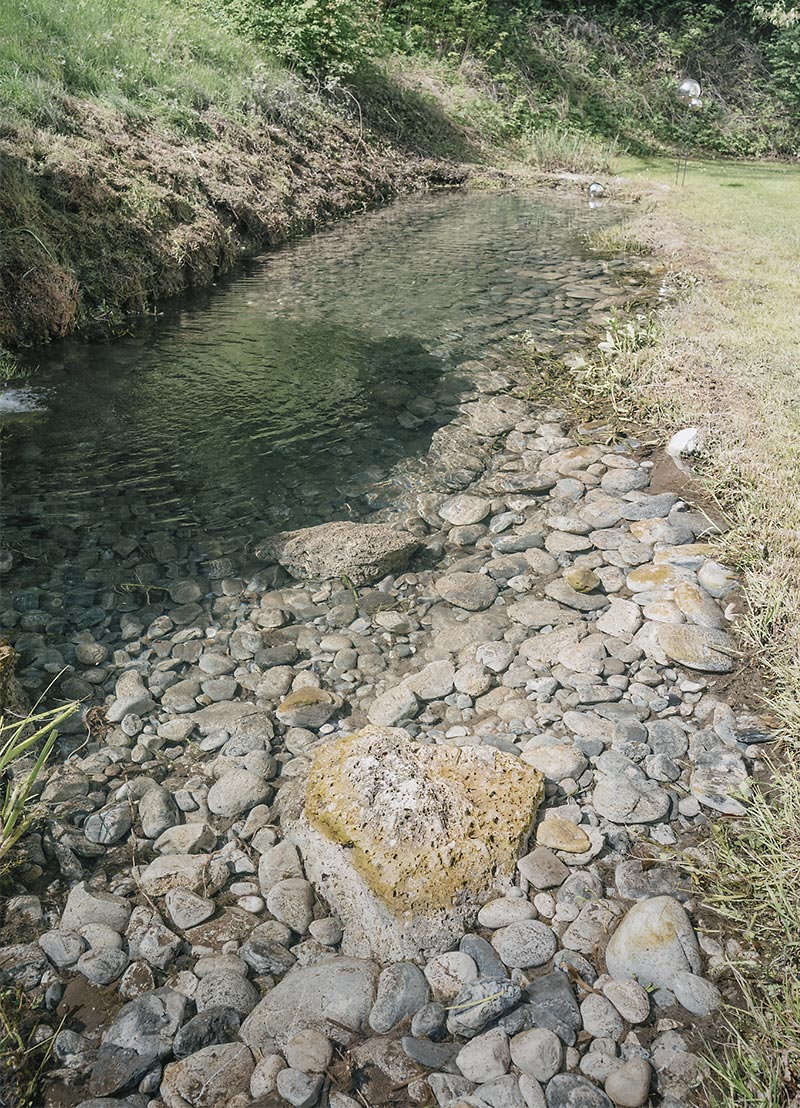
[[729, 362]]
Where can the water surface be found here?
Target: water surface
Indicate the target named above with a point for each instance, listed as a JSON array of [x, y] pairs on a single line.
[[276, 399]]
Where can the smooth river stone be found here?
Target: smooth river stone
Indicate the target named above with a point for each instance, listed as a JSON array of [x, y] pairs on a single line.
[[335, 996], [463, 509], [654, 942], [696, 647], [402, 991], [473, 591], [562, 834], [582, 602], [624, 800], [566, 1090], [525, 944], [629, 1086], [534, 613], [698, 607], [557, 761]]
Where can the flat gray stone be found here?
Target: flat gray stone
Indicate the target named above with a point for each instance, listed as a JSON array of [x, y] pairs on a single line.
[[402, 990], [392, 706], [226, 989], [696, 994], [528, 943], [210, 1078], [625, 800], [566, 1090], [701, 648], [86, 906], [472, 591], [237, 791], [335, 996], [109, 825], [563, 593], [149, 1023]]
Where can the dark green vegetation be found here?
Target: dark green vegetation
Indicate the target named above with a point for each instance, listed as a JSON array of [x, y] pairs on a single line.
[[146, 146]]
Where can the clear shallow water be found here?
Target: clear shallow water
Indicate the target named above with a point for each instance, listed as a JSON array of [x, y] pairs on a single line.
[[278, 398]]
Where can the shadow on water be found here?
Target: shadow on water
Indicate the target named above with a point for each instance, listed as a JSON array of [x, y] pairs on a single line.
[[222, 482]]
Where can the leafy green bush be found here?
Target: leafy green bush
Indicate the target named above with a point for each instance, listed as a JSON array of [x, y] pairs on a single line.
[[318, 37]]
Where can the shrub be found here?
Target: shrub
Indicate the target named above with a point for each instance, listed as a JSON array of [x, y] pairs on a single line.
[[324, 38]]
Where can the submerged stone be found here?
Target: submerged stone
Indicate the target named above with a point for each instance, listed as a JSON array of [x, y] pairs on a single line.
[[362, 552]]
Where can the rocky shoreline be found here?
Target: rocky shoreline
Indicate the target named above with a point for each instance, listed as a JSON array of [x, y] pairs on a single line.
[[494, 713]]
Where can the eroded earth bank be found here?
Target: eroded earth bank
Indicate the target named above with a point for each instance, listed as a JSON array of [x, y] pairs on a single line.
[[394, 816]]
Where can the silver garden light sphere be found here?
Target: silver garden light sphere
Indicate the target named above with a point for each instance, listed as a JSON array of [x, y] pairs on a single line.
[[688, 92]]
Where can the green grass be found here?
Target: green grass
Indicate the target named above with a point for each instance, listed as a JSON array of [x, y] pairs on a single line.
[[730, 362], [749, 880], [10, 368], [148, 59]]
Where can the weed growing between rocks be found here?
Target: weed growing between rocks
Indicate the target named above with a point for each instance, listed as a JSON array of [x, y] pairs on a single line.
[[602, 380], [26, 1045], [25, 746]]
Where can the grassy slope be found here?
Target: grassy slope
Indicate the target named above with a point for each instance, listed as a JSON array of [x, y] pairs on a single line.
[[143, 150], [728, 362]]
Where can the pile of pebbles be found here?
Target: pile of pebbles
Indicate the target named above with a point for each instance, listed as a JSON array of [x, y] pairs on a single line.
[[558, 609]]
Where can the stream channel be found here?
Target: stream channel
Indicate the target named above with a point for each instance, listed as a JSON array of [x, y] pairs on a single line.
[[299, 391]]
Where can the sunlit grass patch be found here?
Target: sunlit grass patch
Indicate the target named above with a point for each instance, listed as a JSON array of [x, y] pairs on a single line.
[[618, 239], [748, 877]]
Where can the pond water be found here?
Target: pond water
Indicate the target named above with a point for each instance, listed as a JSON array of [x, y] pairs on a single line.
[[276, 399]]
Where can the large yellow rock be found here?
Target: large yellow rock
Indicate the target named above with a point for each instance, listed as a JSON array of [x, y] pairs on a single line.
[[406, 840], [425, 824]]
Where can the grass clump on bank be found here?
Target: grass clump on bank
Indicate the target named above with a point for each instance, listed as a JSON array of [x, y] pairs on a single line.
[[749, 877], [25, 746]]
